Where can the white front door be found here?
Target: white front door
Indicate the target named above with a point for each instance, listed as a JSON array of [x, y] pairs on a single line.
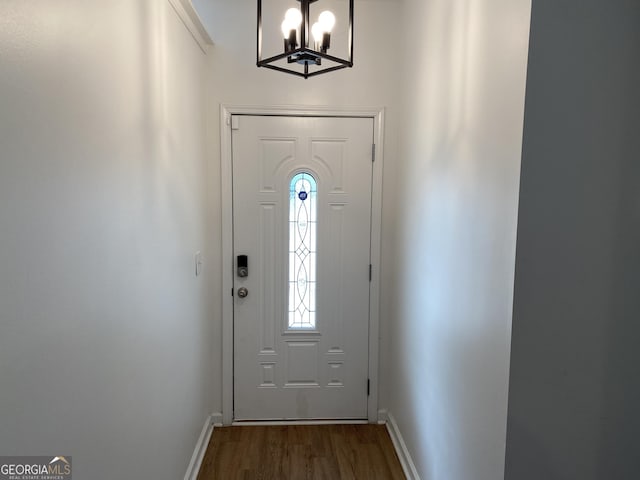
[[302, 220]]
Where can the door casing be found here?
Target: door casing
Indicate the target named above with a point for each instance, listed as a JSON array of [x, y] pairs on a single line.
[[226, 112]]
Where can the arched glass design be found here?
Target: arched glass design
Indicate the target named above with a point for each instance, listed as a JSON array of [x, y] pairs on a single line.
[[303, 195]]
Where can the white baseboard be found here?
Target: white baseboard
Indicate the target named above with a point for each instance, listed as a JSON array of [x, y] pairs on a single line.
[[404, 456], [201, 447], [271, 423]]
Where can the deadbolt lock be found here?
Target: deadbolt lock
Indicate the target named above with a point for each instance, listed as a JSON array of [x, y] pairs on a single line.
[[243, 266]]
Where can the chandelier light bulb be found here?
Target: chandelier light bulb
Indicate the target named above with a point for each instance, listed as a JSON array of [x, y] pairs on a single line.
[[327, 20], [317, 31], [294, 17], [286, 27]]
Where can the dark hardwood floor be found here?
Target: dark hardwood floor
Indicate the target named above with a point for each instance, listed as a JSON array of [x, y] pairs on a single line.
[[298, 452]]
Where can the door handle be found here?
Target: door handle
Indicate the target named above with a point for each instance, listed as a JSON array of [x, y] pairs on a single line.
[[243, 292]]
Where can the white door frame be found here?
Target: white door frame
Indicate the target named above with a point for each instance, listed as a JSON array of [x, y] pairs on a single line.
[[226, 111]]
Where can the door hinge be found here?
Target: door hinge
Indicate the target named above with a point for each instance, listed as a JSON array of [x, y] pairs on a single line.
[[373, 152], [370, 272], [368, 387]]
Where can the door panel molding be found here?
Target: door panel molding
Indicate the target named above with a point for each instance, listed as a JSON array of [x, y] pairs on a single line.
[[226, 113]]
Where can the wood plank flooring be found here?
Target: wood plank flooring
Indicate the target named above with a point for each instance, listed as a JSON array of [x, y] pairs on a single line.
[[299, 452]]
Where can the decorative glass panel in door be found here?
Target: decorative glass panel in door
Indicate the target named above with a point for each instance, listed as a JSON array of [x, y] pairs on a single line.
[[302, 251]]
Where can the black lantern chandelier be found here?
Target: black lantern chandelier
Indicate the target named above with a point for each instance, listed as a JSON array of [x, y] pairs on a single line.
[[306, 47]]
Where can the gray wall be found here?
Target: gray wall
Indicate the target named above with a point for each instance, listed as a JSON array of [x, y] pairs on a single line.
[[105, 347], [574, 388], [463, 82]]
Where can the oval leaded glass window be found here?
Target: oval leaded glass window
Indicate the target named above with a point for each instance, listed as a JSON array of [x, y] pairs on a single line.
[[302, 251]]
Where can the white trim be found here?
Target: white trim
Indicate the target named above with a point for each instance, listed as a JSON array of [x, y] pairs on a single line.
[[303, 111], [404, 456], [201, 447], [269, 423], [216, 419], [383, 416], [376, 262], [227, 265], [192, 21], [226, 111]]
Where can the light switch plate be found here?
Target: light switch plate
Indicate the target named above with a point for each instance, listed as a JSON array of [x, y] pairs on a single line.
[[199, 263]]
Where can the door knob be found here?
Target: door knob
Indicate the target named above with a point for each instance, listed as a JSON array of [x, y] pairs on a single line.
[[243, 292]]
